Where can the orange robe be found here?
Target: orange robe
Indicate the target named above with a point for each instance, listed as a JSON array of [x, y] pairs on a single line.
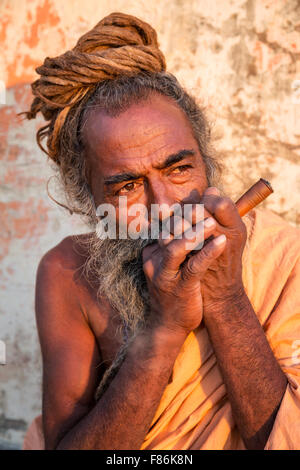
[[194, 412]]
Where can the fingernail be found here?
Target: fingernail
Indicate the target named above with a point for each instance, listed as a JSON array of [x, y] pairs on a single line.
[[220, 240], [209, 222]]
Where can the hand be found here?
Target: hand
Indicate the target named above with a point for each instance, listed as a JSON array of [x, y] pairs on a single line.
[[223, 278], [174, 281]]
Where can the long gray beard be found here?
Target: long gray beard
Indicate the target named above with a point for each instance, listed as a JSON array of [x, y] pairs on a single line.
[[116, 268]]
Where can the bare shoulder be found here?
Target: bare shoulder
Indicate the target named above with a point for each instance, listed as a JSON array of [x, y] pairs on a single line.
[[66, 301], [68, 255], [60, 279], [62, 289]]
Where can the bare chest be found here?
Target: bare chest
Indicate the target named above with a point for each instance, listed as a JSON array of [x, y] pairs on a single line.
[[105, 324]]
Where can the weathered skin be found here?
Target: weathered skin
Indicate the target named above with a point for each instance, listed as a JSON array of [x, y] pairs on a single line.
[[76, 333]]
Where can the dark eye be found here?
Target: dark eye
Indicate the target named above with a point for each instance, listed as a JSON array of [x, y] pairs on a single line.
[[128, 188], [180, 169]]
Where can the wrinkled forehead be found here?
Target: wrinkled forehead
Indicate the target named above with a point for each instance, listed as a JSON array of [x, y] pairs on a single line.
[[152, 127]]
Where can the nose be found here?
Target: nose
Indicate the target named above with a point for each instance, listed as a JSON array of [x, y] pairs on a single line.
[[160, 195]]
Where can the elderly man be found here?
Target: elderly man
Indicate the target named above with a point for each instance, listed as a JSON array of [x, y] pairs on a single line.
[[151, 344]]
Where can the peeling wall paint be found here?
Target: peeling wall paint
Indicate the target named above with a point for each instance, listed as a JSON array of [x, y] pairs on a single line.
[[239, 58]]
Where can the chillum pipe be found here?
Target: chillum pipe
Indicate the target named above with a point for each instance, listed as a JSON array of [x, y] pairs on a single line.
[[250, 199], [254, 196]]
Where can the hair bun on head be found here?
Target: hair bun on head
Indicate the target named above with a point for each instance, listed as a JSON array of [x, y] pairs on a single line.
[[118, 45], [117, 30]]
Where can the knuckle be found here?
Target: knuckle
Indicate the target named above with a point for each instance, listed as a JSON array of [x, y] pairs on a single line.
[[168, 252], [165, 282], [207, 251], [224, 203], [191, 268]]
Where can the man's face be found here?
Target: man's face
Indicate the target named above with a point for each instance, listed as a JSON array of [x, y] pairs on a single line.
[[148, 154]]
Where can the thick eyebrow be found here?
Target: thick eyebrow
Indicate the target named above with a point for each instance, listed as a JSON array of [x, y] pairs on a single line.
[[169, 161], [120, 178], [175, 158]]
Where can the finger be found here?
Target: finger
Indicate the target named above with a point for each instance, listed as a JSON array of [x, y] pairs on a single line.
[[194, 213], [174, 228], [198, 264], [149, 251], [179, 225], [212, 190], [176, 251], [165, 238], [223, 209]]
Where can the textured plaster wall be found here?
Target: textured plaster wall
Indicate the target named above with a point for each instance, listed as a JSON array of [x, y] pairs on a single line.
[[240, 58]]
